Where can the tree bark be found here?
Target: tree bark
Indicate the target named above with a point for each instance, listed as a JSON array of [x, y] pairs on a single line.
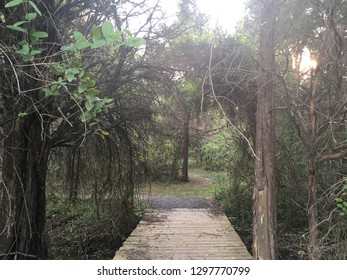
[[264, 195], [73, 173], [23, 198], [185, 147], [312, 210]]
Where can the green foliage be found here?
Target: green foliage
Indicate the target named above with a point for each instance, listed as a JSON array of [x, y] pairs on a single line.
[[17, 27], [22, 114], [38, 35], [29, 48], [100, 37], [32, 4], [86, 88], [342, 202], [70, 71], [135, 42], [13, 3], [216, 152], [30, 16], [236, 200], [26, 52], [161, 158]]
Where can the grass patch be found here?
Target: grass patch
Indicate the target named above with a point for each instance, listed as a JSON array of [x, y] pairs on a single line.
[[202, 183]]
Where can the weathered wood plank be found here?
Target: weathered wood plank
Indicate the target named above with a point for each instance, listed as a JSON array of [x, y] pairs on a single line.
[[192, 234]]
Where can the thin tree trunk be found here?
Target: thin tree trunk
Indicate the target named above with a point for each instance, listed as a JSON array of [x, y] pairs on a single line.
[[73, 173], [312, 210], [264, 195], [185, 147]]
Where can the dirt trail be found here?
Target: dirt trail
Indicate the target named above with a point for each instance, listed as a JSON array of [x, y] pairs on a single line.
[[169, 202]]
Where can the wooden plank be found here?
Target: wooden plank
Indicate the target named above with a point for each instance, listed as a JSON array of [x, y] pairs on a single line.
[[183, 234]]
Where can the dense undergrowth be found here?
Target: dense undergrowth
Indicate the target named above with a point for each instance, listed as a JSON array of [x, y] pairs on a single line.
[[76, 232]]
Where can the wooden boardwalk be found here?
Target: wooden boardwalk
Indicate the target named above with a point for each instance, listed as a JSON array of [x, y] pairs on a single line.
[[188, 234]]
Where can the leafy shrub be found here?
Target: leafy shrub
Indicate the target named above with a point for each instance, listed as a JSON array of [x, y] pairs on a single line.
[[236, 201], [75, 231]]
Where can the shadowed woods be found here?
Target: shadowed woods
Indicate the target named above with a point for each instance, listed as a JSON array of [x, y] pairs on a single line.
[[106, 105]]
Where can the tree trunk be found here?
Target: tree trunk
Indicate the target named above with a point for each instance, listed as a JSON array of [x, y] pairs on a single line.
[[73, 173], [264, 195], [23, 198], [185, 147], [312, 210]]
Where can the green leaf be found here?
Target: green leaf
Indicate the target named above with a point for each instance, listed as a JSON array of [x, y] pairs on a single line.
[[117, 36], [108, 100], [35, 52], [28, 57], [338, 199], [22, 114], [96, 33], [87, 76], [25, 51], [32, 4], [68, 47], [73, 70], [30, 16], [16, 28], [104, 132], [342, 214], [13, 3], [83, 45], [135, 42], [26, 48], [92, 92], [86, 116], [70, 73], [51, 91], [90, 83], [77, 96], [39, 34], [339, 205], [81, 74], [79, 36], [81, 88], [89, 105], [98, 105], [70, 77], [18, 23], [76, 64], [56, 69], [107, 29], [92, 123], [98, 44]]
